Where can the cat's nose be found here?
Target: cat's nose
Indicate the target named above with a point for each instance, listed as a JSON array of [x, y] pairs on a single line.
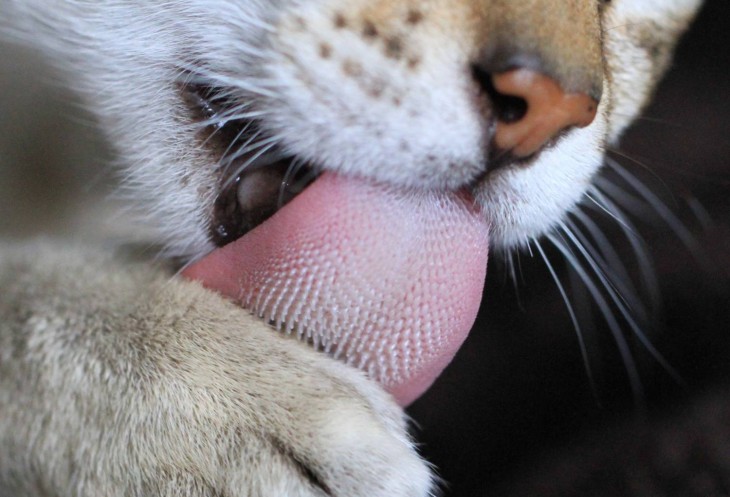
[[531, 109]]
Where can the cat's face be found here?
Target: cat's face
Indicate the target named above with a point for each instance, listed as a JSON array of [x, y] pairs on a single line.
[[384, 90]]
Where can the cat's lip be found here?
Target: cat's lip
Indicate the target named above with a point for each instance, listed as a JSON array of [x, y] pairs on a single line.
[[387, 279]]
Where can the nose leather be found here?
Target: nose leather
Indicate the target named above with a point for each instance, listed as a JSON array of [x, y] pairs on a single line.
[[549, 110]]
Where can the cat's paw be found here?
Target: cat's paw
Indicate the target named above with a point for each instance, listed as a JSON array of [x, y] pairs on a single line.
[[286, 420], [121, 381]]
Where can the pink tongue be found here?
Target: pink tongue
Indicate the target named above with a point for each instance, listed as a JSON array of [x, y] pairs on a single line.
[[386, 279]]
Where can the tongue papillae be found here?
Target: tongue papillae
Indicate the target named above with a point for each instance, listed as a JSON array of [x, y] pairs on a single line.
[[387, 279]]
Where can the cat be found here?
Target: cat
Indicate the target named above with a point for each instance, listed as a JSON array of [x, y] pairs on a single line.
[[338, 169]]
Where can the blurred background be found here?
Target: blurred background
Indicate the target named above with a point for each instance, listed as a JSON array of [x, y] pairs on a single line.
[[516, 413]]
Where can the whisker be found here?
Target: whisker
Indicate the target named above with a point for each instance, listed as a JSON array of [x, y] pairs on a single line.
[[230, 115], [246, 148], [622, 287], [632, 371], [621, 306], [224, 162], [265, 147], [573, 318], [590, 258], [635, 205], [701, 214], [650, 119], [269, 158], [590, 196], [509, 261], [682, 232], [609, 255], [259, 87], [290, 182], [639, 248], [641, 164], [218, 128]]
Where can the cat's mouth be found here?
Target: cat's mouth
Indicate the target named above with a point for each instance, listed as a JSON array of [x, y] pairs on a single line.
[[386, 278], [256, 176]]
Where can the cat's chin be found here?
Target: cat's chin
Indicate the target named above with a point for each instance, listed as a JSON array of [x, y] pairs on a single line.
[[388, 280]]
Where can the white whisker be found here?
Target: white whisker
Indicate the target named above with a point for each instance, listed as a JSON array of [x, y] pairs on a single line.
[[287, 181], [661, 209], [621, 285], [258, 87], [639, 248], [622, 306], [590, 196], [226, 153], [246, 148], [631, 203], [509, 262], [621, 343], [224, 118], [573, 318], [641, 164], [609, 256], [265, 147]]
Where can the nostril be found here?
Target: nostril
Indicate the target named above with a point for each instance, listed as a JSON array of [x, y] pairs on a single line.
[[531, 108], [506, 108]]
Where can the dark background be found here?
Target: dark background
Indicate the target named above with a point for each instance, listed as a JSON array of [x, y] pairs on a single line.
[[517, 397]]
